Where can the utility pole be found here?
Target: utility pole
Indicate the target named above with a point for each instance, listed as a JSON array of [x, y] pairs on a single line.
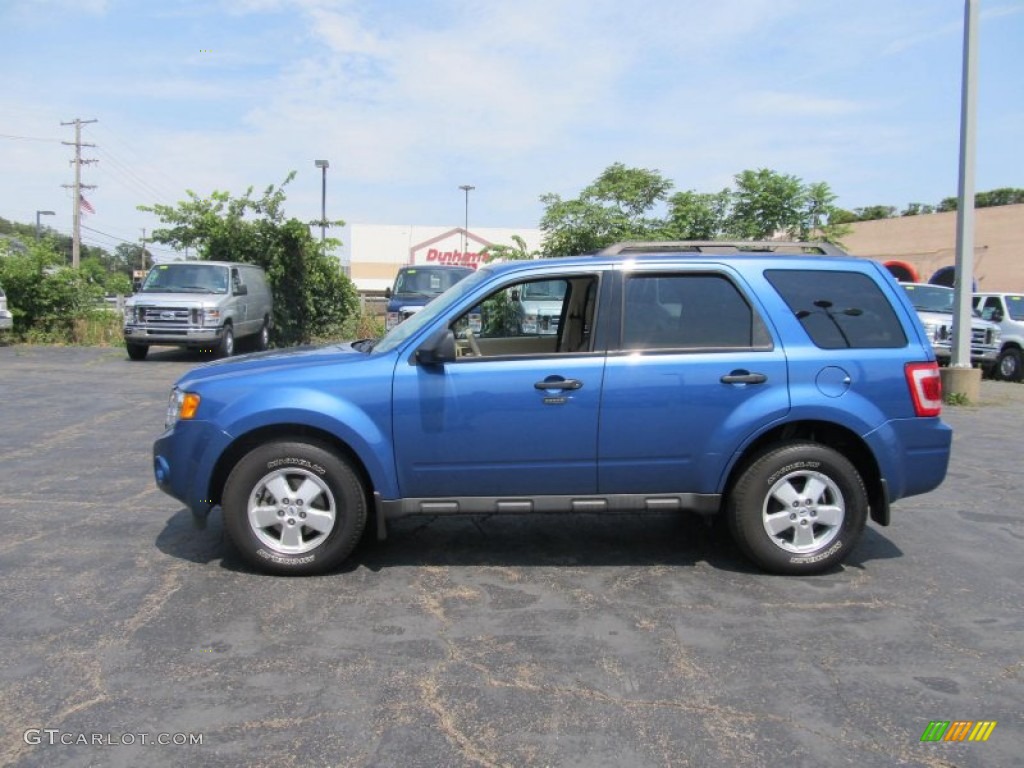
[[143, 254], [76, 232]]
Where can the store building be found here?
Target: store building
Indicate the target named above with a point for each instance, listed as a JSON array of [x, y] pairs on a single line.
[[373, 253], [923, 248]]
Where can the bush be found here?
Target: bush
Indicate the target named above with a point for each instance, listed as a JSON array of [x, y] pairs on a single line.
[[47, 299]]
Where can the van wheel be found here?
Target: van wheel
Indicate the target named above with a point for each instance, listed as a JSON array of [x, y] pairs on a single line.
[[263, 340], [137, 351], [1009, 366], [227, 342], [294, 508], [798, 508]]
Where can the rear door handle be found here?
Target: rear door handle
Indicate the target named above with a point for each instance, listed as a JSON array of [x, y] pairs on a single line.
[[558, 383], [744, 377]]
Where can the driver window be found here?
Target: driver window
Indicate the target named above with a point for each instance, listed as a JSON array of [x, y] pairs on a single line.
[[527, 318]]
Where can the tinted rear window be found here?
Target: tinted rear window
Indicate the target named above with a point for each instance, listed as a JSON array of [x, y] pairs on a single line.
[[839, 310]]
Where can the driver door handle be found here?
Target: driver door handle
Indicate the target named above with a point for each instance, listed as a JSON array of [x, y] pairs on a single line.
[[558, 383], [743, 377]]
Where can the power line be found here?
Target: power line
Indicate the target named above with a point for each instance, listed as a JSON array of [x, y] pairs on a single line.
[[28, 138], [131, 179]]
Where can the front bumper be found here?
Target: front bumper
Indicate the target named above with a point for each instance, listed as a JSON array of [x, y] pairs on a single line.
[[187, 336], [183, 460], [6, 321], [980, 356]]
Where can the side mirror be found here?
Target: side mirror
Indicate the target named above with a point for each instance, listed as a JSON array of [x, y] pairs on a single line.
[[997, 315], [241, 290], [387, 292], [515, 294], [438, 350]]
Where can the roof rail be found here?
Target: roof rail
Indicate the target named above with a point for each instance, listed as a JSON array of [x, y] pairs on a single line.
[[723, 246]]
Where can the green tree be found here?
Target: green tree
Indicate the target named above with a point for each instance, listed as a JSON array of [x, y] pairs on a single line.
[[873, 212], [823, 218], [616, 206], [1001, 196], [697, 216], [767, 203], [917, 209], [312, 298], [518, 252]]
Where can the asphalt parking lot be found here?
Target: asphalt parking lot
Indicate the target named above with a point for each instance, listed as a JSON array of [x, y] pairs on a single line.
[[532, 641]]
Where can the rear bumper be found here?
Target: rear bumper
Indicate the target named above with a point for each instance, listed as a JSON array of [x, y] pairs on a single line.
[[913, 454]]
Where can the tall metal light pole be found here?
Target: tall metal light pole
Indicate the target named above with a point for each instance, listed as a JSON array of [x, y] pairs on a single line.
[[323, 165], [42, 213], [959, 377], [465, 230]]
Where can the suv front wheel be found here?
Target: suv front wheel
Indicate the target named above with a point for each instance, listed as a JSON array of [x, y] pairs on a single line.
[[798, 508], [294, 508]]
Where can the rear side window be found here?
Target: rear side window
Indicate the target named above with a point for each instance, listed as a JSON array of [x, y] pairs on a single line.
[[839, 310], [689, 311]]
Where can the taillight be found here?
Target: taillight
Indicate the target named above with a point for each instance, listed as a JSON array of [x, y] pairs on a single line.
[[925, 388]]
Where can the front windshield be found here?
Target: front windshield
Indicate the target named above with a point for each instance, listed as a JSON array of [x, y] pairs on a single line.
[[189, 277], [427, 281], [425, 316], [930, 298]]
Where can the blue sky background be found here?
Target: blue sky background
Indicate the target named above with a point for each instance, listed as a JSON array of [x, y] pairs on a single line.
[[408, 99]]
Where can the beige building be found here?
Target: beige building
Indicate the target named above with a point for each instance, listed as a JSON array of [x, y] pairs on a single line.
[[923, 248], [373, 253]]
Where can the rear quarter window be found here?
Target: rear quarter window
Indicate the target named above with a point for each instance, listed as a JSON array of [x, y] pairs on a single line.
[[839, 310]]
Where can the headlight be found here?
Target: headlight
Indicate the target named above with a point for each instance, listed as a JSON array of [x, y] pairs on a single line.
[[129, 314], [182, 405], [211, 317]]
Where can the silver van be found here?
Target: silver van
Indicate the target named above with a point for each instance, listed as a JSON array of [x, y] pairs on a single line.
[[204, 305]]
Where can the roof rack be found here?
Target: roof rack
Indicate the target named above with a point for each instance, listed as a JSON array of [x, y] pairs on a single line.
[[723, 246]]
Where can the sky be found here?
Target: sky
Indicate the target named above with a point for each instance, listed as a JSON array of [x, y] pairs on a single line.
[[409, 99]]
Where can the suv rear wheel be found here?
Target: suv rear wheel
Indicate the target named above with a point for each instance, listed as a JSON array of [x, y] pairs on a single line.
[[798, 508], [294, 508]]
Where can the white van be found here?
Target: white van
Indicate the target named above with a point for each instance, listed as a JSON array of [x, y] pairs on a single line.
[[203, 305]]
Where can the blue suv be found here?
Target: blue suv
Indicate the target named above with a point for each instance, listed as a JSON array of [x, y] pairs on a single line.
[[795, 394]]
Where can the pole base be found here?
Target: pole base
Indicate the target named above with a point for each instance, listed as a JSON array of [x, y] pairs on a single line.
[[961, 381]]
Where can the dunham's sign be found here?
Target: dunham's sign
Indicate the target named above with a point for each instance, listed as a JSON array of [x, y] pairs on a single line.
[[446, 249]]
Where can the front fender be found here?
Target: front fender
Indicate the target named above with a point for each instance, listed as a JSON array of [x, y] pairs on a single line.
[[367, 432]]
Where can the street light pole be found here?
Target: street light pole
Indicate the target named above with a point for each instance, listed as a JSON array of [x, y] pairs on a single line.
[[42, 213], [323, 165], [465, 230]]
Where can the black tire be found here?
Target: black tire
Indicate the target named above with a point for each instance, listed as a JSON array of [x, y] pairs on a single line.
[[263, 337], [272, 531], [1008, 367], [226, 348], [784, 531], [137, 351]]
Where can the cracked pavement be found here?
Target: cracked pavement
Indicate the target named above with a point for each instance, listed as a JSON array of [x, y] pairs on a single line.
[[489, 641]]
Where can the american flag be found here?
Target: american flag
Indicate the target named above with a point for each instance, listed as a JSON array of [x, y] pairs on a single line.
[[84, 205]]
